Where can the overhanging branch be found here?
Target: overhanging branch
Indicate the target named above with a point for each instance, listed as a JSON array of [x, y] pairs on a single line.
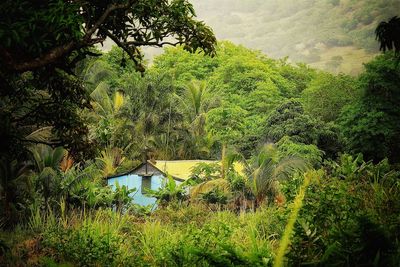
[[103, 17], [56, 53], [48, 58], [125, 48], [159, 44]]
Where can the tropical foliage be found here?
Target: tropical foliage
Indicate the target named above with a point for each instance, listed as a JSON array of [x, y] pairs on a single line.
[[302, 165]]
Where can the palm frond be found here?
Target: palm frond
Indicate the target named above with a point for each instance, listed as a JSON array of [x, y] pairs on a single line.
[[119, 100], [265, 169], [103, 102], [110, 160], [388, 34], [43, 134], [221, 184], [289, 165]]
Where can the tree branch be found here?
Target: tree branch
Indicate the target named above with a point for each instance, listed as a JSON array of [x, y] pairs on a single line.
[[125, 48], [56, 53], [38, 62], [103, 17], [135, 43]]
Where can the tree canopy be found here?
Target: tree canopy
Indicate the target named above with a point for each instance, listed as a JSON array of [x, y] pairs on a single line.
[[35, 34], [41, 43], [371, 125]]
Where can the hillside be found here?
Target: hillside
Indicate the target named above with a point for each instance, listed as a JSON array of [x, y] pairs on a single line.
[[330, 34], [333, 35]]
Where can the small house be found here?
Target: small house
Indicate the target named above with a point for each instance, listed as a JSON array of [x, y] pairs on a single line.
[[150, 175]]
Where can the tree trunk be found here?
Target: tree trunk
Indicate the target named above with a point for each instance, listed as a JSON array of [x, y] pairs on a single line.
[[223, 170]]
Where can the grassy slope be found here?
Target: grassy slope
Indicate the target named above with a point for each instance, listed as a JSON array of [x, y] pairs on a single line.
[[307, 31]]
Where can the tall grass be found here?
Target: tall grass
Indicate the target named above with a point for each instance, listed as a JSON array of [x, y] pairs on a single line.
[[194, 236], [298, 202], [41, 220]]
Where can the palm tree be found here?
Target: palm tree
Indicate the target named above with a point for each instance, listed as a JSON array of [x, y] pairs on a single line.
[[218, 184], [103, 104], [16, 174], [260, 179], [196, 102], [265, 169], [107, 111], [95, 72], [47, 165], [225, 183], [153, 116], [388, 34], [191, 146], [47, 157]]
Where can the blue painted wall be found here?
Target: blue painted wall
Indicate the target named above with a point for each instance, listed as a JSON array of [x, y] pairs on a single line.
[[136, 181]]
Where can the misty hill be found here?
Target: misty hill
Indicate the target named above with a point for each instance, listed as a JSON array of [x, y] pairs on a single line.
[[335, 35]]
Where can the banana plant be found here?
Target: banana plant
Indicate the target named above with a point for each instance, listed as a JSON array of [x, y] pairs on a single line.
[[122, 197], [170, 191]]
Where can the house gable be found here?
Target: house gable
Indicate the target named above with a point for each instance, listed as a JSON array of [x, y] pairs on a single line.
[[147, 169]]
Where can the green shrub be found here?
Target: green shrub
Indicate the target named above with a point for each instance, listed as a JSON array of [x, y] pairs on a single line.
[[84, 246], [346, 219], [92, 239], [215, 196], [310, 153]]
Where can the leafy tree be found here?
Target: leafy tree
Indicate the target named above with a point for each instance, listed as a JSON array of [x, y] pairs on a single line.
[[226, 124], [69, 28], [300, 75], [371, 126], [242, 71], [184, 66], [107, 68], [46, 99], [310, 153], [47, 39], [289, 120], [327, 94]]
